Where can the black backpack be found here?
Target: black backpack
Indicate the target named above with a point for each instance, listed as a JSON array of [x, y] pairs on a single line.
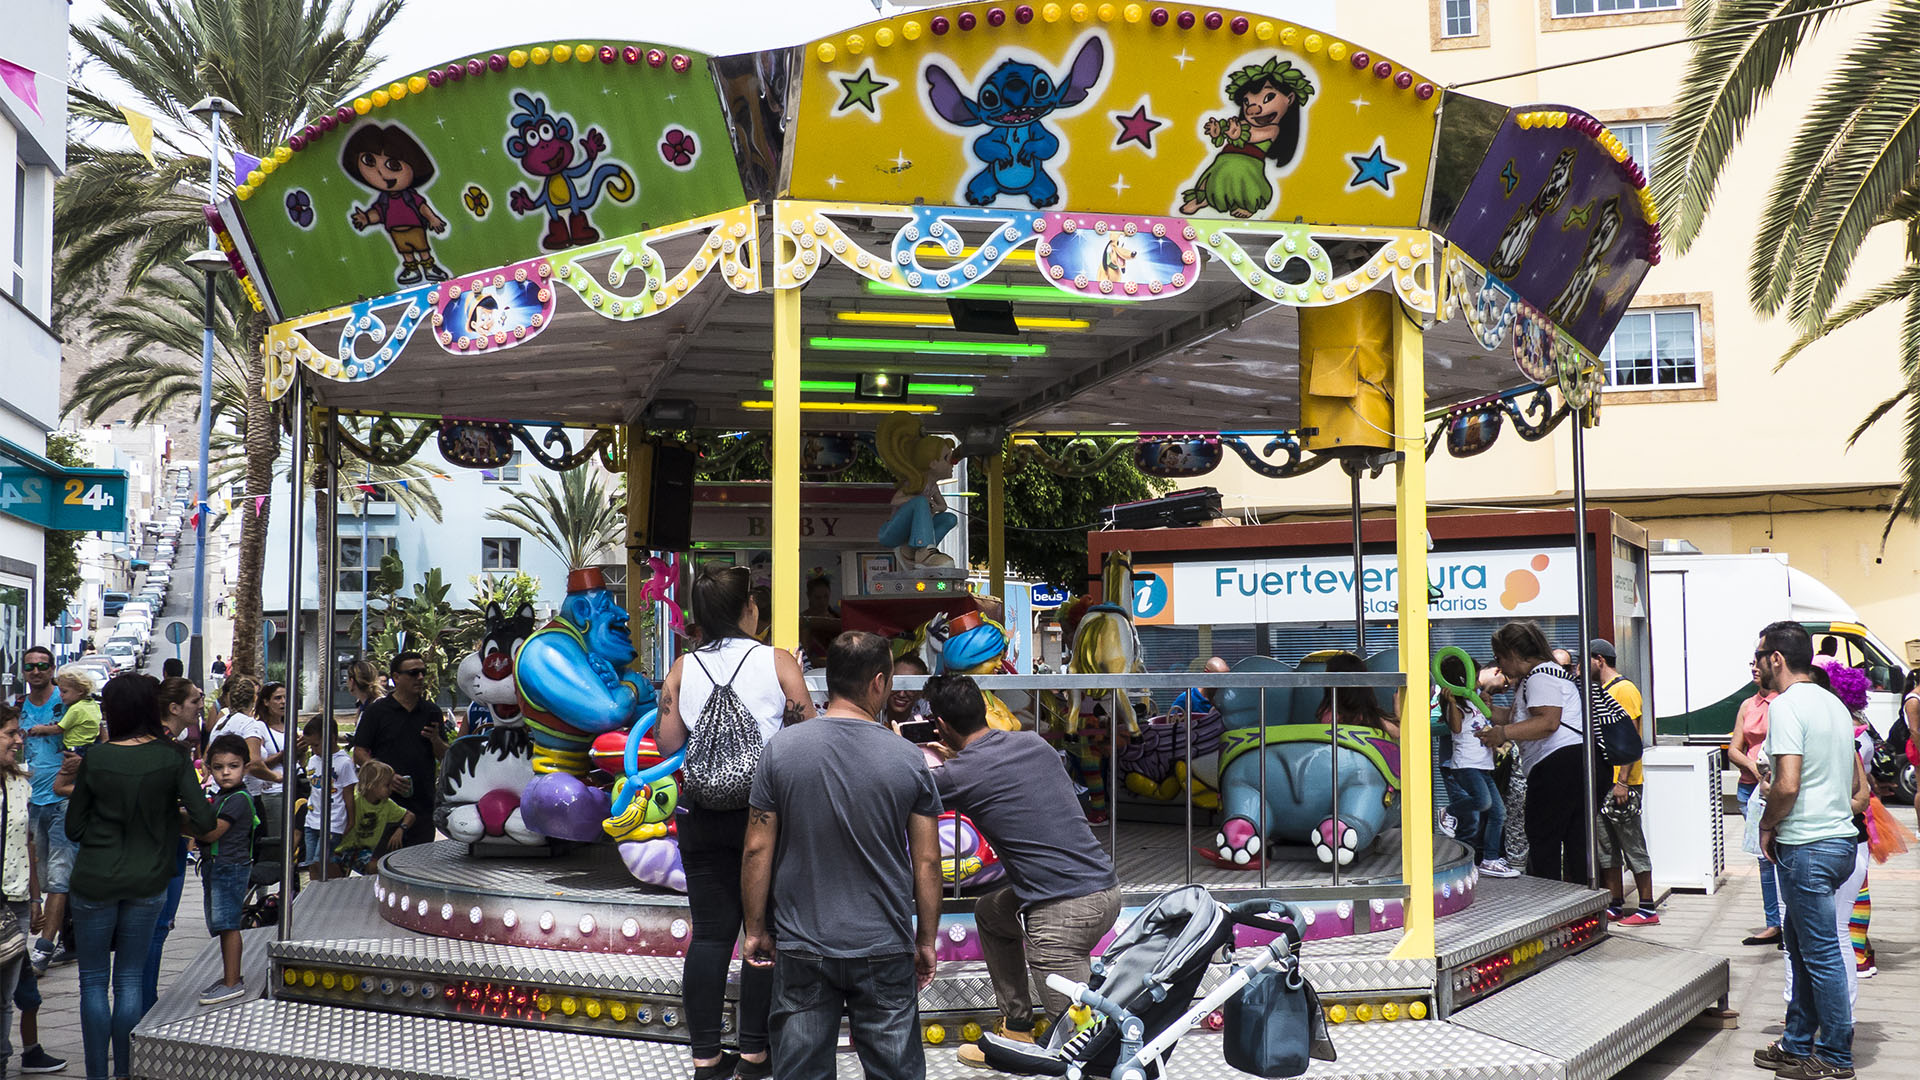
[[1618, 737], [724, 751]]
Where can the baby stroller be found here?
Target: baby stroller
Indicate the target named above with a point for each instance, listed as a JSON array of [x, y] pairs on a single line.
[[1142, 997]]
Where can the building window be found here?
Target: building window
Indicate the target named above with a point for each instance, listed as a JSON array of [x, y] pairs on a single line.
[[1655, 349], [19, 269], [505, 474], [1642, 140], [499, 553], [360, 558], [1456, 19], [1565, 8]]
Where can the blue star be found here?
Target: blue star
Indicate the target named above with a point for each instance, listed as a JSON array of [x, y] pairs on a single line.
[[1373, 168]]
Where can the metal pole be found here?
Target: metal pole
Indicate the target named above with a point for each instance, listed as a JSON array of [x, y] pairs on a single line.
[[1333, 755], [290, 767], [196, 648], [1583, 575], [1359, 568], [330, 477], [1187, 724], [366, 497], [1260, 827]]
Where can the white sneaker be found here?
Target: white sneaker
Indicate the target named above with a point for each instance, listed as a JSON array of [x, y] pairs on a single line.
[[1498, 868], [1448, 824]]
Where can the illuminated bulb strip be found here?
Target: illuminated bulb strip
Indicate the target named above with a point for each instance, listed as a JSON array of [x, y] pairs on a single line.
[[935, 251], [935, 348], [914, 387], [846, 407], [938, 320]]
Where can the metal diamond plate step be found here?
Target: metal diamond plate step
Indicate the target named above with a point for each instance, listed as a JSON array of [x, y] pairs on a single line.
[[1630, 995], [1423, 1050]]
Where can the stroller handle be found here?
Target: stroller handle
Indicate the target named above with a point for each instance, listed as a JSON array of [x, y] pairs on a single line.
[[1276, 916]]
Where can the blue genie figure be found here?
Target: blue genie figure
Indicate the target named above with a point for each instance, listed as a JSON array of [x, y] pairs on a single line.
[[574, 686]]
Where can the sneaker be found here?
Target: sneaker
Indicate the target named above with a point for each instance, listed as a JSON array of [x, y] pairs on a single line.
[[66, 955], [1771, 1056], [1812, 1068], [1498, 868], [37, 1060], [754, 1070], [1447, 824], [218, 992], [1614, 912], [1643, 917], [1868, 970], [972, 1056], [43, 951]]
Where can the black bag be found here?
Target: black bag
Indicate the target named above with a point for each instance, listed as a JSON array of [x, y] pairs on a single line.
[[1618, 736], [1274, 1024], [724, 751]]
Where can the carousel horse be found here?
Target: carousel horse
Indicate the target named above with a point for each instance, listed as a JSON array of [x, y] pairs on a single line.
[[1105, 642], [483, 775], [1301, 751]]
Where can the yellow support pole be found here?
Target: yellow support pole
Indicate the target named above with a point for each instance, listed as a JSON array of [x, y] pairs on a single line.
[[997, 525], [1416, 739], [786, 467]]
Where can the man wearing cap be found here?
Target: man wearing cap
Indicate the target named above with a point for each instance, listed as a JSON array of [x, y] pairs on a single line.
[[1619, 835]]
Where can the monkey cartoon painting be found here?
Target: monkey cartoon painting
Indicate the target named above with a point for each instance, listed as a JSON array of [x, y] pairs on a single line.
[[1518, 237], [397, 168], [569, 183]]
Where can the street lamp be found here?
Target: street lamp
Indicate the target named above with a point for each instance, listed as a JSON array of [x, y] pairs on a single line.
[[208, 262]]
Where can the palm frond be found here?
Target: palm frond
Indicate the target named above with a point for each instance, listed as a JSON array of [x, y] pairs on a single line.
[[577, 522], [1903, 286]]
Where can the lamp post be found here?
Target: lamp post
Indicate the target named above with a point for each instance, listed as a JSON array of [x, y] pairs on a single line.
[[208, 262]]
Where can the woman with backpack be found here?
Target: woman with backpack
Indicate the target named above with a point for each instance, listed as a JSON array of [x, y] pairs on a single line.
[[1547, 723], [723, 701]]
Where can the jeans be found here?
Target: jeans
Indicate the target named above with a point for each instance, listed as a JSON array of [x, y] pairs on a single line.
[[1819, 1018], [1479, 812], [169, 909], [1557, 816], [1843, 901], [1055, 937], [51, 848], [877, 994], [113, 934], [1769, 888], [10, 976], [711, 846]]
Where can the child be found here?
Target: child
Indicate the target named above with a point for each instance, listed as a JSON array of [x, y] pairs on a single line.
[[375, 823], [228, 866], [345, 775], [1478, 806]]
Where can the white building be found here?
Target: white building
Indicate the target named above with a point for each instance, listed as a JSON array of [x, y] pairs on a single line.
[[33, 149]]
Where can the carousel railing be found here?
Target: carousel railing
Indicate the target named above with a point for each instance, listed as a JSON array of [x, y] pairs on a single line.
[[1173, 684]]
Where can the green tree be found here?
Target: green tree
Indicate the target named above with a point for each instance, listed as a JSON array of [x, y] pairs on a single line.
[[1849, 170], [507, 590], [578, 521], [1049, 516], [63, 546], [422, 620], [281, 62]]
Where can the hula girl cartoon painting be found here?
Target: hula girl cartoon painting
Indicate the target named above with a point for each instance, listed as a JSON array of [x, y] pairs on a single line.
[[395, 165], [1270, 97]]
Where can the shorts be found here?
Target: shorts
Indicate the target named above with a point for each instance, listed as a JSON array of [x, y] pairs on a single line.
[[51, 848], [410, 240], [26, 992], [356, 860], [1619, 834], [310, 837], [225, 885]]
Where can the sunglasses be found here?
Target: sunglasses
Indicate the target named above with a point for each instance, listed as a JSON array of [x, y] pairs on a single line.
[[414, 673], [37, 666]]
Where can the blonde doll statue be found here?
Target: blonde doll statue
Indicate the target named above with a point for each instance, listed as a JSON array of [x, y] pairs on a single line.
[[919, 462]]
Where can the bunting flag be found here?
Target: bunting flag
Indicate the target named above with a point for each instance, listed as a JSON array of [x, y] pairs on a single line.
[[141, 126], [20, 80], [403, 486], [441, 476], [242, 165], [258, 502], [193, 520], [226, 504], [367, 488]]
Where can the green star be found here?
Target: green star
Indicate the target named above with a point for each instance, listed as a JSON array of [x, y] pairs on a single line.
[[861, 90]]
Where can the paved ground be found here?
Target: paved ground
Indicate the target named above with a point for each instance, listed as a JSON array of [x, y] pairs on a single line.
[[1887, 1040]]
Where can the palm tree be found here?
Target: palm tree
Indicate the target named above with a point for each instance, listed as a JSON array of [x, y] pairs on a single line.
[[1850, 168], [279, 62], [579, 522]]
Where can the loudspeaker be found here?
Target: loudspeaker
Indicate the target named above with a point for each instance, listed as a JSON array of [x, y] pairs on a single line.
[[670, 510]]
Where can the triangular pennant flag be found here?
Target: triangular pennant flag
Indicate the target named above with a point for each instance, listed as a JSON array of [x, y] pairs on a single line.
[[242, 165], [20, 80], [368, 488], [258, 502], [441, 476], [403, 485], [226, 505], [193, 521], [141, 126]]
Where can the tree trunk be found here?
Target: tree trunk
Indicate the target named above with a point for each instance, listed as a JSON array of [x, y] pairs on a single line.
[[263, 449], [326, 507]]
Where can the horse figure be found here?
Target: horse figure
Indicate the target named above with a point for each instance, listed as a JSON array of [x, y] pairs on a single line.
[[1105, 642]]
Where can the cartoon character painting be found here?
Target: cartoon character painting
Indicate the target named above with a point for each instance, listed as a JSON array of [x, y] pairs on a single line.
[[393, 163], [1593, 263], [1271, 98], [570, 180], [1013, 104], [1113, 260], [1518, 235]]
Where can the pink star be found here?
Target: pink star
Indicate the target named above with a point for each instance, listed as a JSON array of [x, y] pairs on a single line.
[[1137, 127]]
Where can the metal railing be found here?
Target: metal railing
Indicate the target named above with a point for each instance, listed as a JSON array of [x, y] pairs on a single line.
[[1133, 683]]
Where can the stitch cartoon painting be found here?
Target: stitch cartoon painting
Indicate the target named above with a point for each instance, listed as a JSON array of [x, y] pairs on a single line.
[[1271, 98], [569, 181], [393, 163], [1014, 103]]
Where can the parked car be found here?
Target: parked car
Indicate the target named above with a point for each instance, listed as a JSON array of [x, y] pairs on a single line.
[[101, 667], [112, 602], [123, 654]]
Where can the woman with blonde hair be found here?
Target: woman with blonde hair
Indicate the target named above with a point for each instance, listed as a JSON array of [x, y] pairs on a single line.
[[919, 462]]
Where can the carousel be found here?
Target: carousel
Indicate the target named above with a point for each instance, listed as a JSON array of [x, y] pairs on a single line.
[[1064, 230]]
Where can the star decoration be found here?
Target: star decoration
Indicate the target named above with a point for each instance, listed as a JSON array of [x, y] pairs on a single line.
[[860, 90], [1373, 168], [1509, 177], [1136, 127], [1119, 186], [1359, 103], [1578, 215], [834, 181], [1182, 58]]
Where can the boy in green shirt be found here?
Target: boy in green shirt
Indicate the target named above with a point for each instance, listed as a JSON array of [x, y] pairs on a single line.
[[80, 721], [375, 823]]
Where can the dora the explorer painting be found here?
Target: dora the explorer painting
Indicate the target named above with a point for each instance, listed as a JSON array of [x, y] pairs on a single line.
[[393, 163]]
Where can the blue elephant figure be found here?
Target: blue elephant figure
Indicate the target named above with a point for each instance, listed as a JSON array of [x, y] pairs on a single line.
[[1296, 807]]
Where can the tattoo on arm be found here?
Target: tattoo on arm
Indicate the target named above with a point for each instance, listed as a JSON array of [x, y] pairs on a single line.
[[757, 816], [796, 712]]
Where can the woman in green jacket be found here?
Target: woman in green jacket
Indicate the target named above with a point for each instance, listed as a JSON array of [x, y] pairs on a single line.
[[129, 796]]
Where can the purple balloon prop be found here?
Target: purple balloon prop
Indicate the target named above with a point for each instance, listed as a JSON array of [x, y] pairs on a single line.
[[564, 807], [655, 862]]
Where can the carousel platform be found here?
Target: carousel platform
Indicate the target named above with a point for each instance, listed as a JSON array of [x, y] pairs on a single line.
[[1526, 983]]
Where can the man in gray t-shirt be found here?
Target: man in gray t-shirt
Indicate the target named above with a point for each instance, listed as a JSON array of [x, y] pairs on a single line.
[[832, 803], [1062, 895]]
